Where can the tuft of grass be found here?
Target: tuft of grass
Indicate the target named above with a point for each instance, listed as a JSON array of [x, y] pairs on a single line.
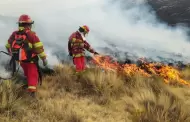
[[102, 83], [10, 100], [185, 73]]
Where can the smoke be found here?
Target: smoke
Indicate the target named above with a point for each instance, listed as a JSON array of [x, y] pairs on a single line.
[[3, 63], [129, 24]]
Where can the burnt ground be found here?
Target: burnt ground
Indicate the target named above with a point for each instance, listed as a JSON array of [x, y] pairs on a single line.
[[172, 11]]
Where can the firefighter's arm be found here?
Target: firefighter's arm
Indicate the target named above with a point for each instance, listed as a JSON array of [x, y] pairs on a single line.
[[69, 48], [89, 48], [37, 46], [72, 40], [39, 49], [8, 44]]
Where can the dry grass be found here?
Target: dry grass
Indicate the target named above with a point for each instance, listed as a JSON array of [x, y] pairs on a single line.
[[96, 96], [185, 73]]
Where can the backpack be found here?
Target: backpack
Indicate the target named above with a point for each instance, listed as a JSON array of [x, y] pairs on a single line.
[[20, 47]]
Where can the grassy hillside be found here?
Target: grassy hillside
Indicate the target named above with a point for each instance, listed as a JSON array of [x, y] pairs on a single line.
[[96, 96]]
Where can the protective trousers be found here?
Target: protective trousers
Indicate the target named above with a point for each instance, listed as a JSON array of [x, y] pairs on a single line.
[[79, 63], [31, 73]]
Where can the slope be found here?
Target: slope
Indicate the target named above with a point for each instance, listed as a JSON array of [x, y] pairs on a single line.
[[96, 96]]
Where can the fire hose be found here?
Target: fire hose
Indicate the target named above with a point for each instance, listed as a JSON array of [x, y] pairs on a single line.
[[14, 65]]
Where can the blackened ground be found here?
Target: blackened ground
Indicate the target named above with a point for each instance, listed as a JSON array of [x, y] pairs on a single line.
[[172, 11]]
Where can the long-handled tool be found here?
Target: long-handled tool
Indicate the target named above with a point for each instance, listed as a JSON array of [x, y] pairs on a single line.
[[13, 64]]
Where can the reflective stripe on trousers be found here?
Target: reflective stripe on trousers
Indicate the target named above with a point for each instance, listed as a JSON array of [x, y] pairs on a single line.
[[78, 55], [31, 73], [31, 88]]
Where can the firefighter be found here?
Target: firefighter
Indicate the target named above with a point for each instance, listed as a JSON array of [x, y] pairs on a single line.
[[77, 45], [26, 48]]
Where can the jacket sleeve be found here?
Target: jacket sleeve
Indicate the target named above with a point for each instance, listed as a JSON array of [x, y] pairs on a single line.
[[8, 43], [88, 47], [37, 45], [69, 47], [69, 44], [72, 39]]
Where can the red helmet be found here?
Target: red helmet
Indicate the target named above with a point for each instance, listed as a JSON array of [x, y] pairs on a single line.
[[86, 28], [25, 19]]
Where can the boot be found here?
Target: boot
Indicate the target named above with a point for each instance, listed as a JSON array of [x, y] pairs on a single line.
[[32, 94], [25, 86]]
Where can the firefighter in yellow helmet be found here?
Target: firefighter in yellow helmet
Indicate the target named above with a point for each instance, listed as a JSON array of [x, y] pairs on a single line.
[[77, 45]]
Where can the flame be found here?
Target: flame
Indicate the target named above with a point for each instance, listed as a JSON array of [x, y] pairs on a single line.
[[131, 69], [168, 73], [106, 63]]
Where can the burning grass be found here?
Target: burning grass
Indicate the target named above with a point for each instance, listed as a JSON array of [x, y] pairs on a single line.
[[97, 95], [168, 73]]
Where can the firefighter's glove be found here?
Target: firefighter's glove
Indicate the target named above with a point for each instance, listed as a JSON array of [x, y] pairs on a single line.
[[96, 53], [45, 62]]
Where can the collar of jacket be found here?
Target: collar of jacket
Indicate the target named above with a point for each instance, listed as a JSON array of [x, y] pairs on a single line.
[[23, 28], [82, 35]]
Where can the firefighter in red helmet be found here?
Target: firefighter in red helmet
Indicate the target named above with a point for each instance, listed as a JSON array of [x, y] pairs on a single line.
[[76, 45], [26, 48]]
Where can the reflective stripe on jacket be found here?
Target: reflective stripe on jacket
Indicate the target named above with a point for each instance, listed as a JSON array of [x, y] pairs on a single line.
[[77, 45]]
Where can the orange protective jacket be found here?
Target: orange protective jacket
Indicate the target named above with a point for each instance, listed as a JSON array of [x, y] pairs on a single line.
[[77, 46], [33, 41]]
